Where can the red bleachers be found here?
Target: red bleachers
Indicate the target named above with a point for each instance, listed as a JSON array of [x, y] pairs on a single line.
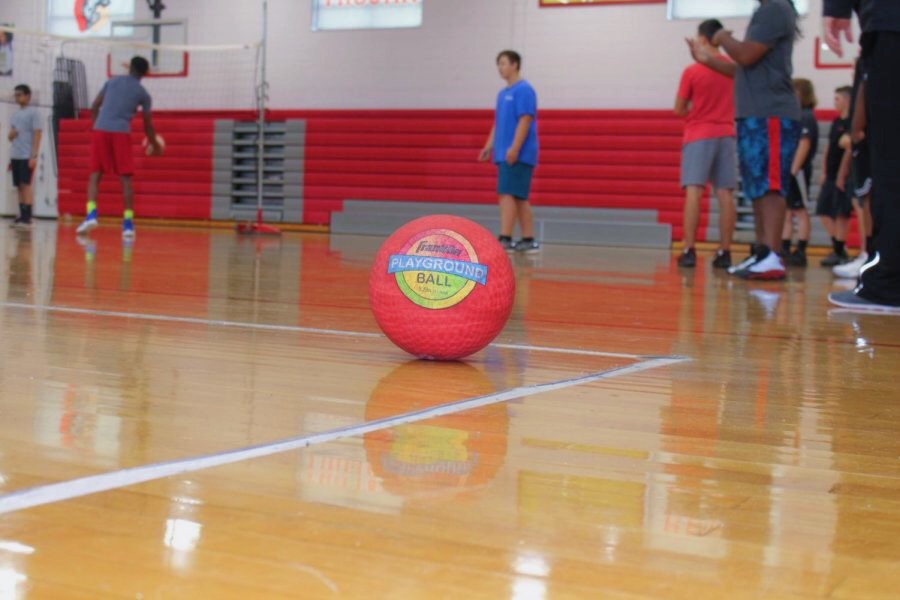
[[600, 159], [603, 159], [175, 186], [589, 158]]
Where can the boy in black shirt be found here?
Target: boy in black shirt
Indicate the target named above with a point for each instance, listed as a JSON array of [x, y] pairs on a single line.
[[801, 170], [835, 206]]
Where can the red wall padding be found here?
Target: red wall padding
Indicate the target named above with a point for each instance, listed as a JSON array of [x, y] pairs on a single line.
[[175, 186], [601, 159], [589, 158]]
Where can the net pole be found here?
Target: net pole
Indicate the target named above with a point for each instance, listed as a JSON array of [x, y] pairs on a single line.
[[259, 227], [261, 133]]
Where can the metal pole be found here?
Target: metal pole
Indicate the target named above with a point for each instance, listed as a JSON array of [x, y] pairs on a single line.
[[157, 7], [261, 126]]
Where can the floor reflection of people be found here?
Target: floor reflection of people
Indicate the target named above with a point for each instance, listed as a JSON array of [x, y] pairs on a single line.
[[745, 427], [18, 256]]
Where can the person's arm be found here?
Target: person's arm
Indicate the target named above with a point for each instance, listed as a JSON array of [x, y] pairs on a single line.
[[837, 14], [35, 148], [95, 107], [512, 155], [150, 132], [745, 54], [858, 125], [722, 67], [844, 170], [488, 149], [685, 93], [146, 105], [801, 155], [13, 134]]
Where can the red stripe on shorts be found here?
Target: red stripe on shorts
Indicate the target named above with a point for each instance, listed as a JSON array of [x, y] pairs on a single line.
[[774, 155]]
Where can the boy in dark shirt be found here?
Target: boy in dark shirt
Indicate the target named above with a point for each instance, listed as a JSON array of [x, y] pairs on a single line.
[[835, 206], [801, 171]]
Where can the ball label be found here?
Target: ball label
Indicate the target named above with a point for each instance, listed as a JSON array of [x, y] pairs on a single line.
[[437, 269]]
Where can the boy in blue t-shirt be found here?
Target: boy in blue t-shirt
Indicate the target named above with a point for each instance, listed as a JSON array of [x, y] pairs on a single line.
[[513, 146]]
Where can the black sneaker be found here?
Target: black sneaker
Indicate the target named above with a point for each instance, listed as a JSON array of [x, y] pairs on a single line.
[[797, 259], [688, 259], [743, 265], [508, 245], [529, 247], [834, 259], [723, 259]]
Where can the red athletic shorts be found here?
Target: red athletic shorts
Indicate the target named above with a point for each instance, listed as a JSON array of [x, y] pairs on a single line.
[[111, 153]]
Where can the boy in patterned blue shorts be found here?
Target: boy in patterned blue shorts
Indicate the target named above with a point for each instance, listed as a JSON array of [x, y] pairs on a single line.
[[768, 125]]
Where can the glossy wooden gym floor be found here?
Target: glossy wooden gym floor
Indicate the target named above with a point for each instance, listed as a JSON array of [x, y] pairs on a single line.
[[765, 466]]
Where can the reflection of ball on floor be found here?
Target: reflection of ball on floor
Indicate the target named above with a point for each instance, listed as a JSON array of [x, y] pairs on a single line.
[[449, 454], [441, 287]]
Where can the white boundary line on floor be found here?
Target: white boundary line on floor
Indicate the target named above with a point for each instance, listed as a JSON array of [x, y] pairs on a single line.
[[85, 486], [284, 328]]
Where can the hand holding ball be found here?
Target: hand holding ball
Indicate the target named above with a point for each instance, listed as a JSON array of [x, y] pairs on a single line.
[[154, 149]]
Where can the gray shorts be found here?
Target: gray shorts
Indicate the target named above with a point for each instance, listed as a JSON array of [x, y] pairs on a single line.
[[710, 161]]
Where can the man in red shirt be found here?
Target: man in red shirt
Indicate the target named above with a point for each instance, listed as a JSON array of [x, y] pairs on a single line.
[[709, 155]]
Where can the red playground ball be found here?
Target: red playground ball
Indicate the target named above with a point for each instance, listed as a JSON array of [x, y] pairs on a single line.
[[441, 288]]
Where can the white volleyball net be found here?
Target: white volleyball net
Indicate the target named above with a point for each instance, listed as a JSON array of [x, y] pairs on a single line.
[[69, 71]]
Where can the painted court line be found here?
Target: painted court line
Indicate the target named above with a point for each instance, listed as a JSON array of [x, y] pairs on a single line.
[[283, 328], [85, 486]]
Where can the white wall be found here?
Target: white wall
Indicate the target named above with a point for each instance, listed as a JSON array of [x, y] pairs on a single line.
[[618, 56], [26, 15]]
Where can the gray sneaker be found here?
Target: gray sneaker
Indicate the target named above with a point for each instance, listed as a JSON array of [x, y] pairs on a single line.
[[850, 300], [508, 245], [528, 247]]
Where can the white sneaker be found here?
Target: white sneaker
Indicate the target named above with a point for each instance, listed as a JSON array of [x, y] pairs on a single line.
[[744, 264], [851, 269], [771, 268], [86, 226]]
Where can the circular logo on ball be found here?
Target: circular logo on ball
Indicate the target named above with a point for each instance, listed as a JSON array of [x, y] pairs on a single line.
[[437, 268]]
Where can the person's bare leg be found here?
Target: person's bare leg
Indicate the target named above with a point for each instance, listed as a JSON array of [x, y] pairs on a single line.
[[94, 186], [773, 210], [758, 225], [841, 228], [507, 215], [526, 218], [727, 218], [828, 224], [804, 227], [90, 218], [26, 195], [692, 195], [787, 233], [127, 192]]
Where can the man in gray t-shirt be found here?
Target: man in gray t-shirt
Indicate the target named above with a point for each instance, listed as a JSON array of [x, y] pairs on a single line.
[[25, 135], [111, 150], [765, 89], [122, 96], [768, 124]]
